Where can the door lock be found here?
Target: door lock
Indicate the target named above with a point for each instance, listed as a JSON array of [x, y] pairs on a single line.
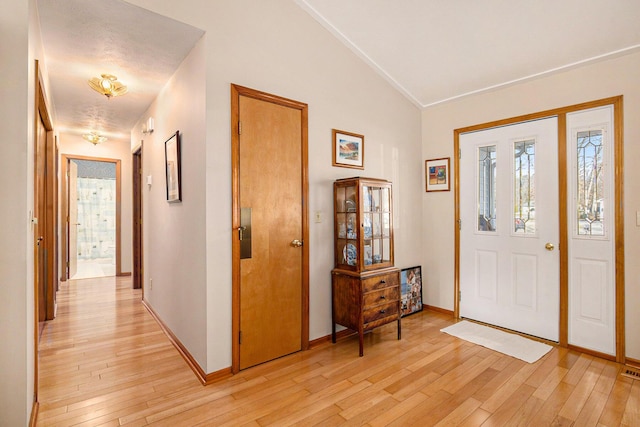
[[296, 243]]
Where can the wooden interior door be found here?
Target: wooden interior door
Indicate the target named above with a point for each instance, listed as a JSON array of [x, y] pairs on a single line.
[[73, 218], [273, 278], [137, 219], [40, 215]]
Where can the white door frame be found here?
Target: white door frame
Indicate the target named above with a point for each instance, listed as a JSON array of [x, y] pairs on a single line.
[[561, 113]]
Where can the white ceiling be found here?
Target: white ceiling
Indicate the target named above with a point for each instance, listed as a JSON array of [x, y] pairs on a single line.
[[438, 50], [432, 51], [85, 38]]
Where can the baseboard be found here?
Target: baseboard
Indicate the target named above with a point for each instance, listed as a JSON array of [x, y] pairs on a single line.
[[216, 376], [203, 377], [34, 414], [327, 338], [439, 310], [126, 273], [633, 362]]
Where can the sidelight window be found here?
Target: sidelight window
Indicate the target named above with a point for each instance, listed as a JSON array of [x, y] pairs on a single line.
[[590, 182]]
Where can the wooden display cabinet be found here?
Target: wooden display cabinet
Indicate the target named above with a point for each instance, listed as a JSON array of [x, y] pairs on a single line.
[[365, 285]]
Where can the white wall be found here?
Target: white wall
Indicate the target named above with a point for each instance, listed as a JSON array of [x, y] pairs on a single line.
[[604, 79], [71, 144], [276, 47], [174, 233], [20, 45]]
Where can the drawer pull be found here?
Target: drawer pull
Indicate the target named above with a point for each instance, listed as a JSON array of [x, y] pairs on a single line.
[[383, 281], [383, 311], [383, 297]]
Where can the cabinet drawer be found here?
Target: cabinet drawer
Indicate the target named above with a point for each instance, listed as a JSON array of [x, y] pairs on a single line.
[[380, 311], [381, 296], [379, 282]]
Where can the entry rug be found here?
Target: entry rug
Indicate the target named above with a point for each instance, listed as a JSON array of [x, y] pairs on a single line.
[[504, 342]]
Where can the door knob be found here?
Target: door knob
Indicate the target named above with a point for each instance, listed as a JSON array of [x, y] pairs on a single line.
[[296, 243], [549, 246]]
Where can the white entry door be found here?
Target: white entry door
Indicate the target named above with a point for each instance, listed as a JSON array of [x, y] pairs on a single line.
[[509, 262]]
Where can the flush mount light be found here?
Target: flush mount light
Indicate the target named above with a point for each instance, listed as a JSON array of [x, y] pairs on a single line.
[[94, 138], [107, 85]]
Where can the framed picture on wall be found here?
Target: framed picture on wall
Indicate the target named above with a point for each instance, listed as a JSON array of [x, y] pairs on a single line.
[[437, 174], [411, 290], [172, 167], [348, 149]]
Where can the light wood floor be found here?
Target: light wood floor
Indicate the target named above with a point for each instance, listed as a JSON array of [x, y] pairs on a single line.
[[104, 361]]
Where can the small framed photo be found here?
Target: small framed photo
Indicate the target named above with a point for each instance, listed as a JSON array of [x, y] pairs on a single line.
[[411, 290], [437, 174], [172, 166], [348, 149]]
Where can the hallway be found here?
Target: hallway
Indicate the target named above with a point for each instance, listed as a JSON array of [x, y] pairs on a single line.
[[105, 361]]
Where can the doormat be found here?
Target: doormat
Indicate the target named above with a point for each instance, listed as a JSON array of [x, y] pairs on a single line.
[[510, 344]]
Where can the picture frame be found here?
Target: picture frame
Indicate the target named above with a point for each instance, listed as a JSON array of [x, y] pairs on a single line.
[[173, 168], [348, 149], [411, 290], [437, 174]]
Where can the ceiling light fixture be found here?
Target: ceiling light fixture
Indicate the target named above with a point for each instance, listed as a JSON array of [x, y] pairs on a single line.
[[107, 85], [94, 138]]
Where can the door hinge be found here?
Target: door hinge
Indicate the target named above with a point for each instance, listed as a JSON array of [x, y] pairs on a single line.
[[239, 128], [459, 153], [459, 224], [240, 338], [459, 296]]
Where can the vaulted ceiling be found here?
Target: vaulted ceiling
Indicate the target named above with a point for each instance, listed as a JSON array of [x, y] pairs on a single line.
[[432, 51]]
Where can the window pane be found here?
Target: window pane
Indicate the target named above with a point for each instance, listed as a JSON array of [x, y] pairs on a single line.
[[590, 183], [524, 200], [487, 188]]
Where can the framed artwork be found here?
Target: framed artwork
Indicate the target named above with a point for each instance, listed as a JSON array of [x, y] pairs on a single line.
[[411, 290], [437, 174], [172, 166], [348, 149]]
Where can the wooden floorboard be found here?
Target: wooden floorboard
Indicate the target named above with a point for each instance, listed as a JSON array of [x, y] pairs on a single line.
[[104, 361]]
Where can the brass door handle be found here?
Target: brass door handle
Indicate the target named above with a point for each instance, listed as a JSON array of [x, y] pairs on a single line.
[[549, 246], [296, 243]]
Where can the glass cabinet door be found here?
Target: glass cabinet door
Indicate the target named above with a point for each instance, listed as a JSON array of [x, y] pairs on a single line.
[[376, 226], [347, 226]]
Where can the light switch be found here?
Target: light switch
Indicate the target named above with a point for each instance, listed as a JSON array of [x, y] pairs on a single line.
[[637, 218], [149, 180], [318, 216]]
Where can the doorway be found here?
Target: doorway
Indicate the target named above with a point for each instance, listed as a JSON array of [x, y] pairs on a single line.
[[592, 291], [44, 219], [91, 205], [137, 221], [270, 226]]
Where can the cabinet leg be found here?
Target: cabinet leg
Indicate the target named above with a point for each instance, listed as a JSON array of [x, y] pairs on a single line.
[[333, 332], [361, 338], [399, 329]]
